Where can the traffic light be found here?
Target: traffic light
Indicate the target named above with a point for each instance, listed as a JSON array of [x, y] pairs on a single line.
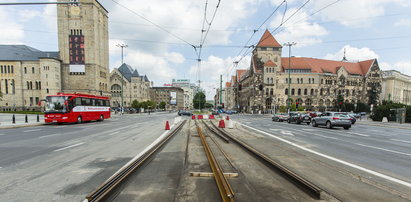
[[222, 105]]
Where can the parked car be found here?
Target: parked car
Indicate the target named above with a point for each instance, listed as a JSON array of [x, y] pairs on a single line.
[[332, 119], [314, 114], [363, 113], [353, 118], [299, 118], [357, 116], [215, 113], [280, 117], [184, 113]]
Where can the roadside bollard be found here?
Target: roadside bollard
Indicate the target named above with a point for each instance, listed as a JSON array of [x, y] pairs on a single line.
[[13, 119], [38, 118], [26, 119]]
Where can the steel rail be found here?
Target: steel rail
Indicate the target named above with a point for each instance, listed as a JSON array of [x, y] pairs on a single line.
[[215, 132], [224, 187], [306, 185], [104, 189]]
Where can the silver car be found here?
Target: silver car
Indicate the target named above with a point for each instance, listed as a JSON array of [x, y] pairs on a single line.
[[332, 119]]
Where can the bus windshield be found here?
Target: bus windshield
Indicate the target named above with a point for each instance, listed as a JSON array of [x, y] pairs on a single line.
[[56, 104]]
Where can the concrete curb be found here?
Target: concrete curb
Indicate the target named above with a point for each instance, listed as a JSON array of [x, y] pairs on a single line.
[[383, 125], [21, 126]]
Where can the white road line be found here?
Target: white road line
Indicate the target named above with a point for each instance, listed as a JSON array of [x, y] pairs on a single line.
[[352, 133], [388, 150], [27, 131], [402, 182], [284, 132], [308, 129], [49, 135], [114, 133], [74, 145], [401, 140], [2, 134], [325, 136], [61, 126]]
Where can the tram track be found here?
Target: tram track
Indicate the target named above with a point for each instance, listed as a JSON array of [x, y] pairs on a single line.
[[296, 179], [106, 188]]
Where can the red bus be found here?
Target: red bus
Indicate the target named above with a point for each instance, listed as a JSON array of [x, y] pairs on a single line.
[[71, 108]]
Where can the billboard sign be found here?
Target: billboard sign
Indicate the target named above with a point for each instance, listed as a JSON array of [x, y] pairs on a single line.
[[76, 51], [173, 96]]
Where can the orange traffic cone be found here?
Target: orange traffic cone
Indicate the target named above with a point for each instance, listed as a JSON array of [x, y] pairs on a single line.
[[227, 118], [221, 124], [167, 126]]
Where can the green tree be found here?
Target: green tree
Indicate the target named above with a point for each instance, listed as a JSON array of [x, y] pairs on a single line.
[[385, 111], [282, 109], [199, 100], [135, 104], [162, 105], [208, 105]]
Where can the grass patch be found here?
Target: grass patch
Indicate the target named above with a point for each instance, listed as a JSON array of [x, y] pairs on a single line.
[[21, 112]]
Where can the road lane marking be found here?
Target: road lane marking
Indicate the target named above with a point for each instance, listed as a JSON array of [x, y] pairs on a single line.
[[308, 129], [393, 179], [114, 133], [284, 132], [325, 136], [50, 135], [61, 126], [397, 152], [27, 131], [352, 133], [74, 145], [401, 140]]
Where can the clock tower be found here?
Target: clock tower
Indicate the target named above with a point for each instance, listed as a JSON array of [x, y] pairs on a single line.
[[83, 46]]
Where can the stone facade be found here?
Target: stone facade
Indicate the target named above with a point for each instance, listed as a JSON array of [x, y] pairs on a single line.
[[27, 75], [163, 94], [396, 87], [87, 22], [315, 84], [135, 87]]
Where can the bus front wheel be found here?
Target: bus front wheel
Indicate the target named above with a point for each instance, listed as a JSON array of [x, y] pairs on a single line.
[[101, 118], [79, 119]]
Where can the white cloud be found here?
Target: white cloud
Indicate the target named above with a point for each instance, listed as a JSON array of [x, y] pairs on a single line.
[[49, 15], [353, 54], [303, 32], [403, 23], [176, 58], [212, 68], [12, 32], [401, 66], [156, 68], [355, 13], [26, 15]]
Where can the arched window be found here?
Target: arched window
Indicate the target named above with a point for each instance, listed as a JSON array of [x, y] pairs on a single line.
[[40, 85], [25, 70], [292, 91], [308, 102], [301, 80], [28, 85], [13, 87], [116, 90], [266, 91], [268, 80], [12, 69], [305, 91], [312, 92], [353, 92], [298, 80], [312, 80], [286, 91], [271, 91], [321, 91], [299, 91]]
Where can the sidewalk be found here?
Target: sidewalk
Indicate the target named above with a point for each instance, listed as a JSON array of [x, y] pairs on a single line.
[[6, 120], [368, 121]]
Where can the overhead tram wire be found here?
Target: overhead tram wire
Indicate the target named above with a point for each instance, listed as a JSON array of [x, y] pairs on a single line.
[[158, 26], [246, 46], [279, 26]]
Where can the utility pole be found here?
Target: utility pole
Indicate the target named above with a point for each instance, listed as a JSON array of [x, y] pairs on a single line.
[[221, 90], [122, 46], [289, 44]]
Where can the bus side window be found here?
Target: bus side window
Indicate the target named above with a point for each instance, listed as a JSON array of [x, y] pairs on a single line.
[[77, 102], [93, 102], [106, 103], [100, 102]]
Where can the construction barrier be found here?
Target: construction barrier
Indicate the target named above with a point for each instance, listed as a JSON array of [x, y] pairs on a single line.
[[200, 117], [211, 117], [221, 124], [193, 117]]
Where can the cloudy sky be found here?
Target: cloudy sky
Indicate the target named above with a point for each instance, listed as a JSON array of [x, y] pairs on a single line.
[[161, 34]]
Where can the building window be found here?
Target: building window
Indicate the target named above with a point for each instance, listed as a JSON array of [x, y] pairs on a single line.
[[47, 90], [286, 91], [312, 92], [1, 68], [271, 91], [32, 70], [321, 91], [305, 91], [12, 69], [322, 81], [301, 80], [7, 86], [299, 91], [292, 91], [298, 80], [40, 85], [25, 70]]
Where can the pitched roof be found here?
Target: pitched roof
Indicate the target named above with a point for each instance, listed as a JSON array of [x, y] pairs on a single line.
[[240, 72], [327, 66], [135, 73], [24, 53], [146, 78], [227, 84], [270, 63], [126, 71], [267, 40]]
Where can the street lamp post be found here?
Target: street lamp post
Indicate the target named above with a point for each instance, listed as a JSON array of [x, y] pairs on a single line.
[[289, 44], [122, 46]]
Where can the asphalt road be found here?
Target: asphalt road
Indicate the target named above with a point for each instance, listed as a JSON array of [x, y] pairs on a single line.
[[385, 151], [66, 162]]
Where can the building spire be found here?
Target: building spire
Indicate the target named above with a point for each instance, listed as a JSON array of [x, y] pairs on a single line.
[[344, 58]]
